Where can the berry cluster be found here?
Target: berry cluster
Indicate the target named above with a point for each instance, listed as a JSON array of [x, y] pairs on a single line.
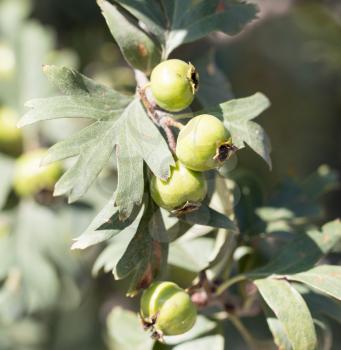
[[203, 144]]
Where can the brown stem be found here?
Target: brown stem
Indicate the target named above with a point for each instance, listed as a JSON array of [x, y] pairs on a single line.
[[158, 117]]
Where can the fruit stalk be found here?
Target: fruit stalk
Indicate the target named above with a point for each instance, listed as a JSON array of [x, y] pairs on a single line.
[[159, 118]]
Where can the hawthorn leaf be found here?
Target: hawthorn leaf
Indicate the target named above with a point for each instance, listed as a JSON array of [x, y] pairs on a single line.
[[106, 225], [138, 48], [204, 18], [84, 98], [178, 22], [238, 115], [124, 331], [93, 158], [303, 252], [118, 120], [209, 217], [185, 253], [324, 305], [324, 278], [290, 310], [146, 254], [278, 333], [72, 83], [214, 86], [140, 140], [150, 13], [130, 185], [215, 342]]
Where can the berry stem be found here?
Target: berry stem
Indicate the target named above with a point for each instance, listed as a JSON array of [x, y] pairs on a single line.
[[159, 118]]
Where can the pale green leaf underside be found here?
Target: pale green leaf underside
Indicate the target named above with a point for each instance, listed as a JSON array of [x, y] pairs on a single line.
[[138, 48], [182, 21], [119, 121], [124, 331], [202, 19], [324, 278], [106, 225], [237, 116], [303, 252], [291, 310], [215, 342]]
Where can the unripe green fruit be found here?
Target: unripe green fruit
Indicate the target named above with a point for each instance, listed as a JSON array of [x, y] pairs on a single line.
[[204, 143], [183, 186], [168, 309], [30, 176], [10, 135], [174, 84]]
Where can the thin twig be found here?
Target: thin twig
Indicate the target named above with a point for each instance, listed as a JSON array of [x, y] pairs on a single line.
[[247, 336], [160, 118]]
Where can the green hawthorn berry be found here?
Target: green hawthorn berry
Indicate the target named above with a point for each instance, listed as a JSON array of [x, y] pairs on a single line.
[[10, 135], [167, 309], [185, 188], [30, 176], [204, 143], [174, 84]]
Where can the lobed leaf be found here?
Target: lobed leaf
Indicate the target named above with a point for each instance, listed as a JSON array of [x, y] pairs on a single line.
[[146, 254], [203, 18], [237, 116], [150, 13], [106, 225], [119, 121], [137, 47]]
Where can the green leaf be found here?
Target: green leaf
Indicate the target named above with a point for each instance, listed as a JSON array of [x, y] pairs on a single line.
[[125, 331], [209, 217], [324, 278], [291, 310], [324, 305], [150, 13], [215, 342], [83, 98], [106, 225], [237, 116], [142, 141], [146, 254], [138, 48], [184, 253], [303, 252], [214, 86], [181, 21], [6, 170], [320, 182], [278, 333], [119, 121], [203, 18], [72, 83]]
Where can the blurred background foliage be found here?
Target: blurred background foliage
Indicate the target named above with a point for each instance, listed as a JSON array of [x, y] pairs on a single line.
[[48, 299]]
